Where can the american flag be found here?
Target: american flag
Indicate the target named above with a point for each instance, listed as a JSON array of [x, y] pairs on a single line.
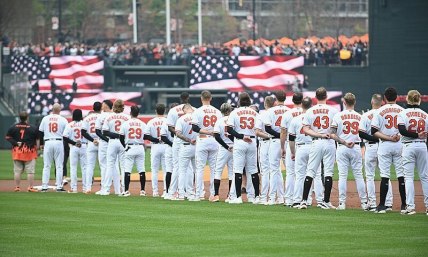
[[333, 98], [84, 71], [256, 73], [83, 101]]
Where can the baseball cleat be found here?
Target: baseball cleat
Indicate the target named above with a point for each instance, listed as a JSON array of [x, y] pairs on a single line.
[[17, 189], [64, 182], [125, 194], [295, 206], [227, 200], [325, 206], [61, 190], [364, 206], [44, 190], [388, 208], [303, 206], [104, 193], [214, 198], [142, 193], [341, 207], [194, 199], [155, 194], [257, 200], [237, 200], [381, 209], [270, 202], [427, 212], [87, 192], [403, 209], [32, 190], [280, 200], [164, 194], [408, 211], [250, 199]]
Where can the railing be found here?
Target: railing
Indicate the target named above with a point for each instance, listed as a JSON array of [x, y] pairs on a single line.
[[15, 91]]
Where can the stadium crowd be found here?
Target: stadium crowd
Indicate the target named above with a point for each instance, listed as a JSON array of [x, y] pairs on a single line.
[[308, 138], [315, 53]]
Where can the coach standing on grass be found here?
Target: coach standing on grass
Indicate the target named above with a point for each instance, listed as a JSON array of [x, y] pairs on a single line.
[[25, 141]]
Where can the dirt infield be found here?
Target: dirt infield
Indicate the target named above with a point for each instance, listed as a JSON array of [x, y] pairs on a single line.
[[352, 199]]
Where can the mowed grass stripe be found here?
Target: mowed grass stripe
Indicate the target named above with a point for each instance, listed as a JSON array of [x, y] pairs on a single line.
[[75, 225]]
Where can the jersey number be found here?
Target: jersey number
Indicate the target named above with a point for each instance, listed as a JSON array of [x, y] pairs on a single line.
[[22, 132], [77, 134], [53, 127], [117, 125], [92, 128], [246, 122], [324, 119], [278, 121], [135, 133], [209, 120], [158, 131], [391, 121], [350, 127], [416, 126]]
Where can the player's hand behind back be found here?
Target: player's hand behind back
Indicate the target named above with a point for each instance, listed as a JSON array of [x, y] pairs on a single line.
[[247, 139], [422, 135]]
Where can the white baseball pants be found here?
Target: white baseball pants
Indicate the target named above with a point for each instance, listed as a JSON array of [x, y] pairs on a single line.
[[77, 155], [206, 150], [53, 151], [157, 160]]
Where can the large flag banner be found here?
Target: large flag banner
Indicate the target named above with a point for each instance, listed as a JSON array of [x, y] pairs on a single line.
[[84, 101], [333, 98], [81, 74], [256, 73]]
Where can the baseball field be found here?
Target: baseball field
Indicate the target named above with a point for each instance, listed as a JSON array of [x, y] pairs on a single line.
[[58, 224]]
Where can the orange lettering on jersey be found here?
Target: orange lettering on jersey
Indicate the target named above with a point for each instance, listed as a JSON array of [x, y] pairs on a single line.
[[295, 114], [188, 119], [389, 110], [135, 124], [350, 116], [209, 111], [117, 117], [416, 114], [246, 112], [53, 119], [320, 111], [279, 111]]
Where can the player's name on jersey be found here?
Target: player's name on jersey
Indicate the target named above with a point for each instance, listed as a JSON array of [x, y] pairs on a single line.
[[210, 111], [321, 111], [91, 118], [157, 123], [295, 114], [117, 117], [389, 110], [245, 112], [188, 119], [370, 117], [350, 116], [75, 124], [53, 118], [279, 111], [416, 114], [135, 123]]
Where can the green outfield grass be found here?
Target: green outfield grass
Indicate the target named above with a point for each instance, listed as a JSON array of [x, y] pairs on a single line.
[[55, 224], [6, 165]]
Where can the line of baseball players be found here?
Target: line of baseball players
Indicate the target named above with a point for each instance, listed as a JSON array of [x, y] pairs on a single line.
[[304, 137]]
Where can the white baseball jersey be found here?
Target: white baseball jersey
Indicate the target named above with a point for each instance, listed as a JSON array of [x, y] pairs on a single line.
[[53, 126], [366, 121], [73, 131], [221, 128], [263, 115], [100, 120], [89, 124], [289, 115], [319, 118], [243, 120], [274, 117], [296, 129], [386, 120], [206, 116], [347, 123], [174, 114], [415, 120], [114, 121], [154, 127], [165, 132], [133, 130], [184, 125]]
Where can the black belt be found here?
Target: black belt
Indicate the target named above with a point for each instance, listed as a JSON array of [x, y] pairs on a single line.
[[372, 143], [303, 144], [247, 136], [160, 143], [319, 138], [53, 139], [135, 144], [186, 143], [265, 139], [409, 142], [355, 143]]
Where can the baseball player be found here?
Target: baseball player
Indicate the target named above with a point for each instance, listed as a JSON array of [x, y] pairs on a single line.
[[273, 127], [167, 137], [158, 148], [224, 155], [370, 154], [132, 139], [264, 143], [413, 126], [241, 126], [51, 128], [317, 124], [171, 120], [345, 133], [300, 145], [115, 150], [88, 132], [73, 136], [285, 149], [187, 137], [24, 139], [385, 127], [106, 107], [203, 121]]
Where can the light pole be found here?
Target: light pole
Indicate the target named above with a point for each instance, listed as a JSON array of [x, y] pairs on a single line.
[[134, 15], [168, 22], [199, 22]]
